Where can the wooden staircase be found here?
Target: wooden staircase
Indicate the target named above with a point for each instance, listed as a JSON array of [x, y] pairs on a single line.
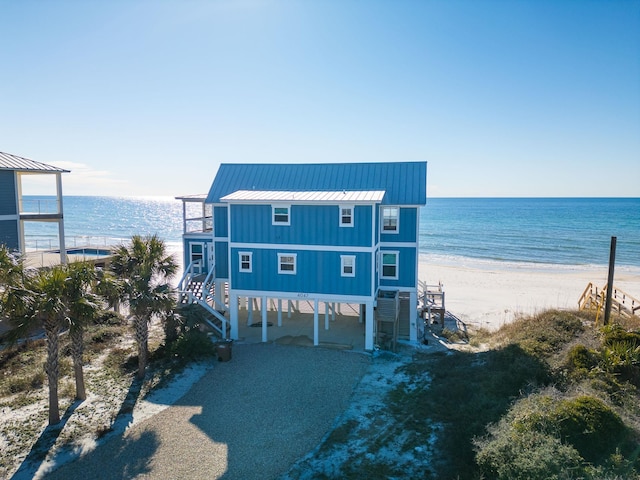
[[199, 289], [593, 299]]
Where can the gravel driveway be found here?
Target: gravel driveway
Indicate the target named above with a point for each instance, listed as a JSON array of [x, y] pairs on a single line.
[[249, 418]]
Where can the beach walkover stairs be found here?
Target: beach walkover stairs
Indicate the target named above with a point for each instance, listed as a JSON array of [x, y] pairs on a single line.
[[593, 299], [199, 289]]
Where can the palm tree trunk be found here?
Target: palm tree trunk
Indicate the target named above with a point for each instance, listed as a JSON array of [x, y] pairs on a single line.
[[52, 370], [142, 338], [77, 349]]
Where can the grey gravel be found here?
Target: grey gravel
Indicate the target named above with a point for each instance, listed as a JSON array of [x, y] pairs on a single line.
[[250, 418]]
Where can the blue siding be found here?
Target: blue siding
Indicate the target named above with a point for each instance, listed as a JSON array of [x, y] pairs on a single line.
[[222, 259], [7, 193], [405, 183], [317, 272], [408, 225], [309, 225], [406, 268], [205, 254], [220, 223], [9, 234]]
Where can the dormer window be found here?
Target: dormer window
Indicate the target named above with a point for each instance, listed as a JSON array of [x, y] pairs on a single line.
[[346, 215], [280, 215], [390, 219]]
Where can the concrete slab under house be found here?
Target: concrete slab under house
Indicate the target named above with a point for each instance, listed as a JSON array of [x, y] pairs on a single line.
[[339, 239]]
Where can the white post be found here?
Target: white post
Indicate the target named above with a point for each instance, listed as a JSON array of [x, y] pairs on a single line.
[[234, 316], [250, 308], [326, 315], [63, 247], [264, 318], [289, 308], [315, 323], [279, 312], [333, 311], [360, 313], [368, 335], [413, 316]]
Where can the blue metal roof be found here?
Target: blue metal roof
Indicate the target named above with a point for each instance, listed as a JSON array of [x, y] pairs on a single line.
[[405, 183]]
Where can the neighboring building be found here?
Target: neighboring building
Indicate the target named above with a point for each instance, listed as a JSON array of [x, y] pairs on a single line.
[[333, 233], [15, 210]]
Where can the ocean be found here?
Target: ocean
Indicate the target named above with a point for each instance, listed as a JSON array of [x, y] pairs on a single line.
[[510, 231]]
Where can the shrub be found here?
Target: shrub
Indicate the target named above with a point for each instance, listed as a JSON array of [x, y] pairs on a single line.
[[528, 455], [109, 317], [580, 361], [192, 345]]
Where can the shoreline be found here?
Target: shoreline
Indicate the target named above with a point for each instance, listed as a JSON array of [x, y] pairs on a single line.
[[489, 294]]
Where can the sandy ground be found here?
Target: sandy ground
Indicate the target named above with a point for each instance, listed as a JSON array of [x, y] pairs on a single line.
[[490, 294]]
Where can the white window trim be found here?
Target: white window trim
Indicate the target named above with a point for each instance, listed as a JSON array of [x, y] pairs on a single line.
[[273, 215], [350, 207], [397, 254], [343, 259], [295, 263], [390, 232], [243, 270]]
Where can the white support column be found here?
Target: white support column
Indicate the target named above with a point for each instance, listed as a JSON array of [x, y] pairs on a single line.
[[326, 315], [315, 323], [413, 316], [279, 312], [219, 292], [233, 316], [333, 311], [289, 308], [264, 318], [63, 247], [369, 319], [360, 312], [250, 308]]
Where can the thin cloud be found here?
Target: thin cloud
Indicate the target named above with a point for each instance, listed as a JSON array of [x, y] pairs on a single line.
[[82, 179]]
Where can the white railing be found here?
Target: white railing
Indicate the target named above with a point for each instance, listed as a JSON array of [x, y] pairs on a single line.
[[51, 242]]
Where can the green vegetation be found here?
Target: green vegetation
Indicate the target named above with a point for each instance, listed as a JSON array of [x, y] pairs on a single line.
[[552, 398]]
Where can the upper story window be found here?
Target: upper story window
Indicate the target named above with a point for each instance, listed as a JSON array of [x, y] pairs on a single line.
[[246, 261], [348, 265], [281, 215], [346, 216], [287, 263], [390, 219], [389, 265]]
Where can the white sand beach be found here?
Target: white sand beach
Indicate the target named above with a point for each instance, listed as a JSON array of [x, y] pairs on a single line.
[[489, 294]]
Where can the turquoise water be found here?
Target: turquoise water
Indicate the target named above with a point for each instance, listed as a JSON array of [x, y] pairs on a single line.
[[559, 231], [562, 231]]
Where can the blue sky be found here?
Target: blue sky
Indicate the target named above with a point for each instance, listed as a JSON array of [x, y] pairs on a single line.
[[502, 98]]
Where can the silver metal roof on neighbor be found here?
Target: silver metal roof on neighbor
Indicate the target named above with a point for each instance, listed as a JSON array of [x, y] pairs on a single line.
[[21, 164], [404, 183], [354, 196]]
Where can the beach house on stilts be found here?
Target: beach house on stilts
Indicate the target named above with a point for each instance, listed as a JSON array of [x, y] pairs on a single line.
[[15, 210], [323, 233]]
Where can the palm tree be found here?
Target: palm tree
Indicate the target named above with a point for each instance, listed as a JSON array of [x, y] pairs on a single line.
[[109, 288], [145, 269], [11, 268], [40, 301], [82, 305]]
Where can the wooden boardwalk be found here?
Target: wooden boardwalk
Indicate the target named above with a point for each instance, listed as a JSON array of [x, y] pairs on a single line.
[[593, 299]]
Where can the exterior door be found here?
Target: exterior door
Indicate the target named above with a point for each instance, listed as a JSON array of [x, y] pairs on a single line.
[[196, 254]]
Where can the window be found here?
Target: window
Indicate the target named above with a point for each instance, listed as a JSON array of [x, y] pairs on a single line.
[[346, 216], [390, 265], [390, 219], [280, 215], [348, 265], [287, 263], [246, 261]]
